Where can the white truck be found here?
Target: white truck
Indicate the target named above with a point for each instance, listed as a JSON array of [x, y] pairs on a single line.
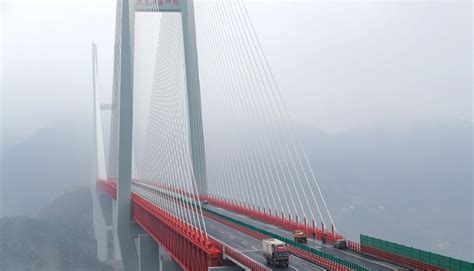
[[276, 252]]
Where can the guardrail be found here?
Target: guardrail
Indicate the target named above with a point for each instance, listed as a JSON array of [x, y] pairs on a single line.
[[245, 260], [188, 246], [313, 255], [146, 215], [273, 218], [410, 257]]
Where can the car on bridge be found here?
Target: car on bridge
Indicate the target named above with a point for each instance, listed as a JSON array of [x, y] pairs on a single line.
[[300, 236], [341, 244]]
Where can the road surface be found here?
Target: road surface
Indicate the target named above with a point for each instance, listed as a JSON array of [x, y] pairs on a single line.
[[352, 256]]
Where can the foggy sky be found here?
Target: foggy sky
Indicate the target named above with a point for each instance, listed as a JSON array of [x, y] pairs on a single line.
[[339, 65]]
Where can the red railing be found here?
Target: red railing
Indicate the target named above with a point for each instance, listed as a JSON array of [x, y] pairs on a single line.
[[285, 223], [246, 261], [193, 252], [260, 214], [353, 245], [275, 219], [188, 246], [296, 251]]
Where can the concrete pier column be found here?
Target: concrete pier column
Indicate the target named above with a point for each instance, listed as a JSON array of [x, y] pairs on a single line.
[[148, 253], [167, 263]]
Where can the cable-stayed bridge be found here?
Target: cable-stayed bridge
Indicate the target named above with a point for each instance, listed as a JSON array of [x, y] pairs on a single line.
[[197, 159]]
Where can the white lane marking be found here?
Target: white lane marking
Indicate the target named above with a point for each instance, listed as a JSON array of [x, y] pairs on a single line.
[[231, 236], [255, 248], [244, 243], [221, 231], [293, 267]]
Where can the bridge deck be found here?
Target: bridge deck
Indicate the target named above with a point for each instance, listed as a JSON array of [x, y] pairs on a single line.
[[360, 259], [250, 246]]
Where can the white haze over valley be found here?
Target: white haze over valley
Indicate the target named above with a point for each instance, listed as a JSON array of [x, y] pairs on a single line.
[[380, 93]]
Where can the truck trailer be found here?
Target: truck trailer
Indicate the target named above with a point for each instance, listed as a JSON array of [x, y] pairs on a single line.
[[276, 252]]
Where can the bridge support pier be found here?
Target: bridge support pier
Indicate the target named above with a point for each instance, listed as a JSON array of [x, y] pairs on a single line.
[[100, 227], [150, 256], [104, 219], [148, 253], [114, 234], [167, 263]]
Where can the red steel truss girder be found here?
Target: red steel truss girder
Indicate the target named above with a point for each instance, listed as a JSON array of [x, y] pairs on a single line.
[[187, 245], [293, 225], [263, 217], [238, 256], [107, 187], [185, 252]]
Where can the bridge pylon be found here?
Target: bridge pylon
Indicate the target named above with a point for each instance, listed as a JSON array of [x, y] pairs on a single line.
[[103, 207], [118, 234], [198, 156], [193, 89]]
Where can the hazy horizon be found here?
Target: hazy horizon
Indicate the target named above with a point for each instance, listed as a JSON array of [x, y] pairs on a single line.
[[380, 92], [368, 61]]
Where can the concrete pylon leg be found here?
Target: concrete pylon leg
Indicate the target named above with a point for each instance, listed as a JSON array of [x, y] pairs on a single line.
[[148, 253], [167, 263], [196, 134], [100, 227], [151, 257], [116, 244]]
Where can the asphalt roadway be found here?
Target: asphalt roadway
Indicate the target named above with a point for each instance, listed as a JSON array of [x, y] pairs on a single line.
[[352, 256], [251, 247]]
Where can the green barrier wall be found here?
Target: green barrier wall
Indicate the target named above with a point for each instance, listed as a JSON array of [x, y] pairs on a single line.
[[441, 261]]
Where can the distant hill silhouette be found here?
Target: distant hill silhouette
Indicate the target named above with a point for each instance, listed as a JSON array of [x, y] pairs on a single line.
[[40, 168], [61, 240]]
